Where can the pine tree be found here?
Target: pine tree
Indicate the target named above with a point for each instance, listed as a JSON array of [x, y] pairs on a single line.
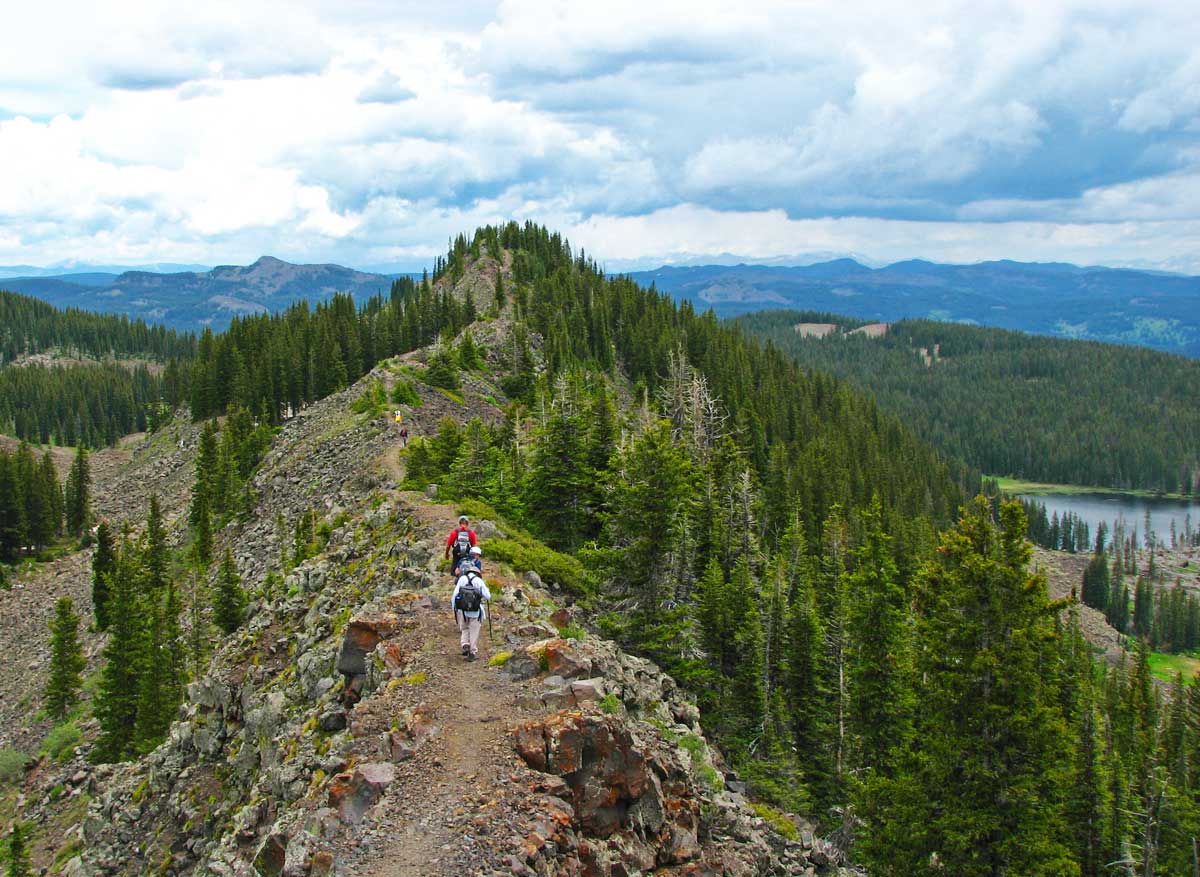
[[879, 650], [556, 490], [160, 689], [79, 493], [229, 603], [198, 625], [987, 780], [117, 697], [468, 352], [1096, 584], [104, 563], [66, 660], [805, 675], [19, 864], [747, 696], [155, 554]]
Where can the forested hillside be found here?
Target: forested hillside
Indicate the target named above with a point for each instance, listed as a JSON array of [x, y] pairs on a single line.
[[76, 378], [1120, 306], [1019, 405], [29, 325], [867, 646]]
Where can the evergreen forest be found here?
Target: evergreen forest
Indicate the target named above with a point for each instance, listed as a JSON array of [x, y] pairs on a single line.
[[1010, 404]]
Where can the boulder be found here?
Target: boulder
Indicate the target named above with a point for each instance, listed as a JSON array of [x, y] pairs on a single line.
[[352, 793], [271, 855], [363, 634]]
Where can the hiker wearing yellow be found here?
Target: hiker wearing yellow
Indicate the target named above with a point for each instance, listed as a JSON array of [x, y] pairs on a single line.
[[470, 601]]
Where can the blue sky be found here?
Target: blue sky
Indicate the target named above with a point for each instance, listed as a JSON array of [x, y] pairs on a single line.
[[369, 132]]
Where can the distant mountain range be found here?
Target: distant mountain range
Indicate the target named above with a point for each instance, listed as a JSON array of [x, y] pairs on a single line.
[[194, 299], [1124, 306]]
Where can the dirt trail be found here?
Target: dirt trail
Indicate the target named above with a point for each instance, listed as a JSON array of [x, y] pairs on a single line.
[[450, 810]]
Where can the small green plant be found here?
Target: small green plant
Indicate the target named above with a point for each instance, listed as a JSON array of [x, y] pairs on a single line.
[[610, 704], [778, 820], [499, 659], [693, 745], [12, 765], [416, 678], [404, 393], [710, 778], [62, 740], [373, 402], [572, 631]]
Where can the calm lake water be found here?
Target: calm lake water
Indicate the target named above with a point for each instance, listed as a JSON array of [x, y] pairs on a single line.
[[1109, 507]]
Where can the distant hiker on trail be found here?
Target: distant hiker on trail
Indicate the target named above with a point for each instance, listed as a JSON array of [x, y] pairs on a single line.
[[404, 435], [461, 540], [470, 601], [475, 558]]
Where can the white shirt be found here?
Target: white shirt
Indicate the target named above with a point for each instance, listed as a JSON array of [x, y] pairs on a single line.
[[483, 589]]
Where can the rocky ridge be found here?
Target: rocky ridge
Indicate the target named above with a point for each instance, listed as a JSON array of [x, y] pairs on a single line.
[[341, 732]]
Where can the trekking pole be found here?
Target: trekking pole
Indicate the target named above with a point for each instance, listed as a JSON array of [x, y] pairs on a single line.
[[491, 635]]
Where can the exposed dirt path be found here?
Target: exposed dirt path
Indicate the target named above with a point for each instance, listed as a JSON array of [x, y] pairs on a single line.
[[452, 809]]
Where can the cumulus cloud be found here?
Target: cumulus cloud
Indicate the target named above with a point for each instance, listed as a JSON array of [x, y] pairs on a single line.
[[370, 131]]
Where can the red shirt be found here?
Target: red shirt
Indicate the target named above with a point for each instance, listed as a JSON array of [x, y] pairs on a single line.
[[454, 535]]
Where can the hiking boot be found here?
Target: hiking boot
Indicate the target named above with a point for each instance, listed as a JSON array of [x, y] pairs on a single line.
[[466, 651], [470, 657]]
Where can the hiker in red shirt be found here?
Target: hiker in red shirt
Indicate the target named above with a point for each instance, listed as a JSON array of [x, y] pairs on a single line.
[[460, 541]]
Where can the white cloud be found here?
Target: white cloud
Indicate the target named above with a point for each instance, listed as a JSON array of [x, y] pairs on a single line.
[[372, 131]]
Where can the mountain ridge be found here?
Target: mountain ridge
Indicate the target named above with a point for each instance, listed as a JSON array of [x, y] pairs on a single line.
[[1118, 305]]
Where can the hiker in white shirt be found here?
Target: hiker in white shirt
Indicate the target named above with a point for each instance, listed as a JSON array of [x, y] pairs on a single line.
[[470, 600]]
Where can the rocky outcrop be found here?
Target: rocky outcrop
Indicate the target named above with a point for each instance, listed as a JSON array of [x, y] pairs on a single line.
[[621, 800]]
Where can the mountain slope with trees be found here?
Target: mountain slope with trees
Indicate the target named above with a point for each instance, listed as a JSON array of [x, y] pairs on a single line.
[[1011, 404], [842, 642]]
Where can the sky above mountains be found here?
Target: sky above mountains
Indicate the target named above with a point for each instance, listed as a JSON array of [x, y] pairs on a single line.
[[368, 132]]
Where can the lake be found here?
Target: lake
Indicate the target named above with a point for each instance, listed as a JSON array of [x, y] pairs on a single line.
[[1096, 507]]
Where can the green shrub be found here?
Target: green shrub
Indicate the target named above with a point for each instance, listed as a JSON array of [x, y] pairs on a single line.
[[552, 566], [711, 779], [442, 371], [61, 740], [499, 659], [373, 402], [778, 820], [610, 704], [694, 746], [404, 393], [572, 631], [12, 765]]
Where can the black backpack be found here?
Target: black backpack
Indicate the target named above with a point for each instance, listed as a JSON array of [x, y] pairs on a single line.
[[462, 544], [469, 597]]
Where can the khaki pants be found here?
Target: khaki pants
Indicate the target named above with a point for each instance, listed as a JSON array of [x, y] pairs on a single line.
[[469, 627]]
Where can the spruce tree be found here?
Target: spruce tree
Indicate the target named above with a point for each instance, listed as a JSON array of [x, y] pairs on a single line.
[[66, 660], [557, 490], [468, 352], [986, 781], [879, 649], [19, 864], [155, 557], [229, 603], [1096, 584], [78, 492], [104, 563], [117, 697], [161, 678]]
